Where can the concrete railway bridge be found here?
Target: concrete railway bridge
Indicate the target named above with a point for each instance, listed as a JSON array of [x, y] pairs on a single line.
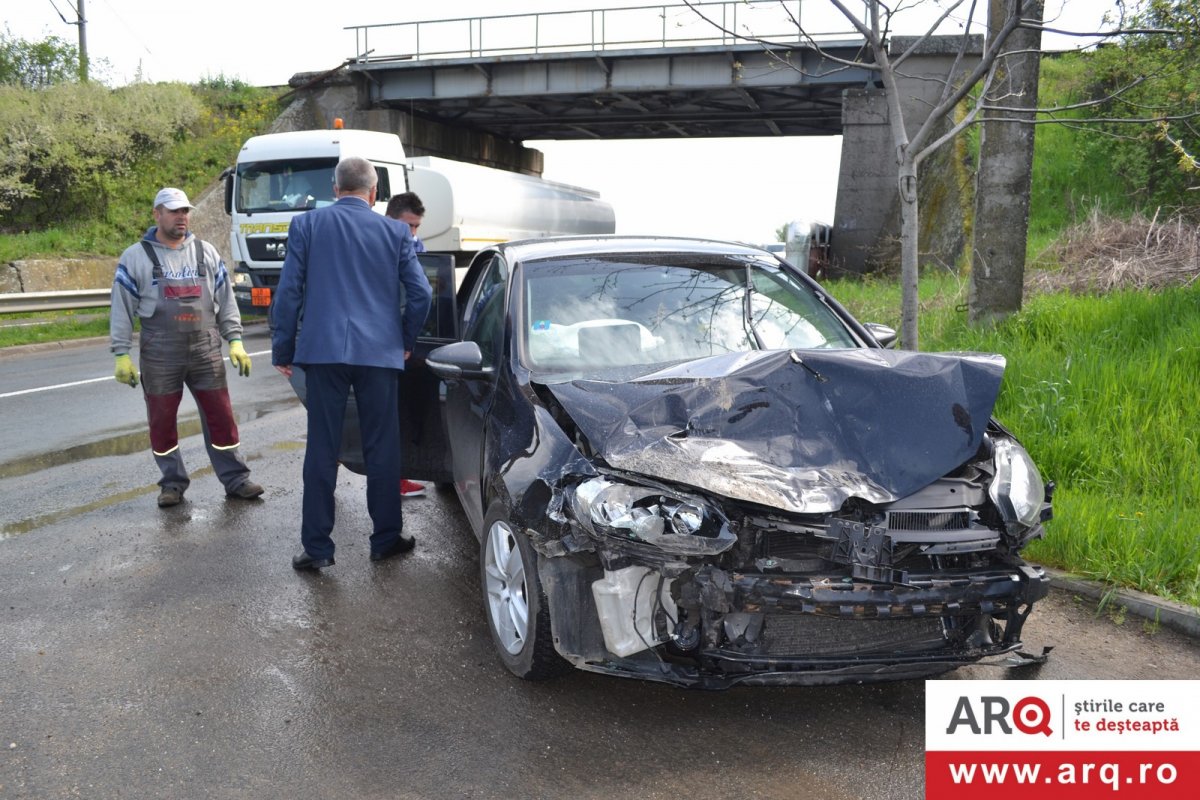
[[475, 88]]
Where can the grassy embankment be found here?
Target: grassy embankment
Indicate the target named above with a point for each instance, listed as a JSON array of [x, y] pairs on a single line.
[[231, 112]]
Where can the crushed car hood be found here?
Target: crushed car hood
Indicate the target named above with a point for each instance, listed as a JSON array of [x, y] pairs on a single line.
[[801, 431]]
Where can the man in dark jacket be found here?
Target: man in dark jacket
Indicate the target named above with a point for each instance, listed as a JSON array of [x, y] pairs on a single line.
[[353, 277]]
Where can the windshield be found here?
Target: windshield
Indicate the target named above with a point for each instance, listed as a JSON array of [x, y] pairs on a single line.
[[284, 185], [624, 311]]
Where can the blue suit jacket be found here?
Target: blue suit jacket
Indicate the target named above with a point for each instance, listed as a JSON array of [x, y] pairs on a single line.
[[353, 279]]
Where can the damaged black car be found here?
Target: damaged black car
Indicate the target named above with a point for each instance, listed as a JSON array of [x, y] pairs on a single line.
[[685, 462]]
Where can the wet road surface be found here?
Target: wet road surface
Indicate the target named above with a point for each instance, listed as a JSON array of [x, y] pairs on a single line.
[[175, 653]]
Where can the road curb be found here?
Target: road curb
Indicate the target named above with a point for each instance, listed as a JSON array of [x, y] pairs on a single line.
[[1178, 617]]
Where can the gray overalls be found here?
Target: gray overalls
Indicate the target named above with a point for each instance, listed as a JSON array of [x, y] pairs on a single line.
[[180, 345]]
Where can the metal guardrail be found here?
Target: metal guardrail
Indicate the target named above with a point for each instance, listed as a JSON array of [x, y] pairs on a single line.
[[711, 23], [25, 302]]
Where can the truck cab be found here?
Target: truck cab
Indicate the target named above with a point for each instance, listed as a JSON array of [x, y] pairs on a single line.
[[280, 175]]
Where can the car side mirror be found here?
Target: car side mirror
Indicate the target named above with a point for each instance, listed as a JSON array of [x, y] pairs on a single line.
[[452, 362], [883, 334]]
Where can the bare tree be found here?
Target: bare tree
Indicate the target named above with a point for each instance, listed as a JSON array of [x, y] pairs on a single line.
[[874, 24]]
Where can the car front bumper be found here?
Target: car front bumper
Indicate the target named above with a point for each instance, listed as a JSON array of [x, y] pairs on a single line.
[[778, 629]]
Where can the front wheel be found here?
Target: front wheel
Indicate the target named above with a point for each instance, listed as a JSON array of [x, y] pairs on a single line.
[[515, 605]]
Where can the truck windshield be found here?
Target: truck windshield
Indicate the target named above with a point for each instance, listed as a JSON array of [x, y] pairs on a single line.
[[264, 186]]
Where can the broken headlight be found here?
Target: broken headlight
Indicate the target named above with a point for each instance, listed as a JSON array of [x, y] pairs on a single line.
[[673, 523], [1017, 490]]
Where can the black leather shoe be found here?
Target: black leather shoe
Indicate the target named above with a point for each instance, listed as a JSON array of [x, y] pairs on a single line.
[[247, 491], [401, 545], [304, 561]]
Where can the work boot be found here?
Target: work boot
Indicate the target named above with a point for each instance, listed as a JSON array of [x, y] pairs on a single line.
[[169, 497], [247, 491]]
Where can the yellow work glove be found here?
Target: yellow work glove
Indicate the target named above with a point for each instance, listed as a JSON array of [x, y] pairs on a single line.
[[126, 372], [239, 358]]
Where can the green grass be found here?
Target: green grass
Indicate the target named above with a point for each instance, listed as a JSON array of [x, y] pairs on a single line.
[[55, 326], [1072, 173], [1101, 390]]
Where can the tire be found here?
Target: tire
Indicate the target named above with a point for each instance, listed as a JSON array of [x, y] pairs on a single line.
[[514, 603]]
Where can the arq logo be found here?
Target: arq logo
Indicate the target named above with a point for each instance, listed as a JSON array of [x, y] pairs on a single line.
[[1028, 715]]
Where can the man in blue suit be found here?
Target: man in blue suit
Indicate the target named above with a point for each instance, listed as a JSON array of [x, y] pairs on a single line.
[[351, 277]]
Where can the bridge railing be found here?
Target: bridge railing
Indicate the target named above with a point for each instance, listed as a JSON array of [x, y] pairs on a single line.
[[626, 28]]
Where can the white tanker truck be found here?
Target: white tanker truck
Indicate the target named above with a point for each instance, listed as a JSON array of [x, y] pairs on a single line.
[[467, 207]]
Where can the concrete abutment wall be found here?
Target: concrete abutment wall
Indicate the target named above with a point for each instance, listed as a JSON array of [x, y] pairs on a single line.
[[866, 233], [341, 96]]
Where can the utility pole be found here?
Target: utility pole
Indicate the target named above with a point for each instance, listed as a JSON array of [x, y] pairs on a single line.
[[83, 56]]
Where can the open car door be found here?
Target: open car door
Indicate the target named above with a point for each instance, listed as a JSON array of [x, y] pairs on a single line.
[[425, 453]]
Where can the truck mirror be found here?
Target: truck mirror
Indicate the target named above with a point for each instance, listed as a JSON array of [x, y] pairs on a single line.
[[228, 176]]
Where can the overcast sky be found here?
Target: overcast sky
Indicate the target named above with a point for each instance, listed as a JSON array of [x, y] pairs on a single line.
[[741, 189]]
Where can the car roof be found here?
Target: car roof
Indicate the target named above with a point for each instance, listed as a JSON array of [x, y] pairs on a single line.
[[566, 246]]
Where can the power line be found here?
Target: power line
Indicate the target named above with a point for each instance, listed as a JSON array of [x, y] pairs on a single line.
[[128, 28], [60, 14]]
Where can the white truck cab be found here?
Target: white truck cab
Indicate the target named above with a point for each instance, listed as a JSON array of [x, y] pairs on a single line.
[[280, 175], [467, 207]]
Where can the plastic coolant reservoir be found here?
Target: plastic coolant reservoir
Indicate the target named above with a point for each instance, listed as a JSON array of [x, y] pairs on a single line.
[[628, 630]]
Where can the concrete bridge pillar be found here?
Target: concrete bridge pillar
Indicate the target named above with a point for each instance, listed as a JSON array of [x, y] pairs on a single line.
[[866, 232], [866, 213]]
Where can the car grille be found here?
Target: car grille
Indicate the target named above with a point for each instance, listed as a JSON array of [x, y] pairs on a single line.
[[786, 544], [956, 520], [809, 635]]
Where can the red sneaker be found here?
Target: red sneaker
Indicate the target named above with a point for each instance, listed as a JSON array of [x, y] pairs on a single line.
[[411, 488]]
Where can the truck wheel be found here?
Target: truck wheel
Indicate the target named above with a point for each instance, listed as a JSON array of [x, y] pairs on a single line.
[[514, 603]]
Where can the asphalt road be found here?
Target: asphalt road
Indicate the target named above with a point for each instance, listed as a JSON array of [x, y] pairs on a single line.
[[174, 653]]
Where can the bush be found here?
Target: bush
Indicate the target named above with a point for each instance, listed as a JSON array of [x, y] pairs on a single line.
[[64, 146]]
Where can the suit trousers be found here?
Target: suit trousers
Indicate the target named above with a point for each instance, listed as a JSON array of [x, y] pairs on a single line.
[[376, 393]]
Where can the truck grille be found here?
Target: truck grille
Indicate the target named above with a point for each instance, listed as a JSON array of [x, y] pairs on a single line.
[[267, 248]]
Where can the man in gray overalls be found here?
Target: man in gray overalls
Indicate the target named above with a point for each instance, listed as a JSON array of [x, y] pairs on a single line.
[[178, 287]]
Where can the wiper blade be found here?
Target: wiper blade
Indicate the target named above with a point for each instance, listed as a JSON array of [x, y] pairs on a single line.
[[748, 310], [796, 357]]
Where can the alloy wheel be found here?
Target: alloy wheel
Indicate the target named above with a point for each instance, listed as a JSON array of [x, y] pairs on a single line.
[[507, 590]]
